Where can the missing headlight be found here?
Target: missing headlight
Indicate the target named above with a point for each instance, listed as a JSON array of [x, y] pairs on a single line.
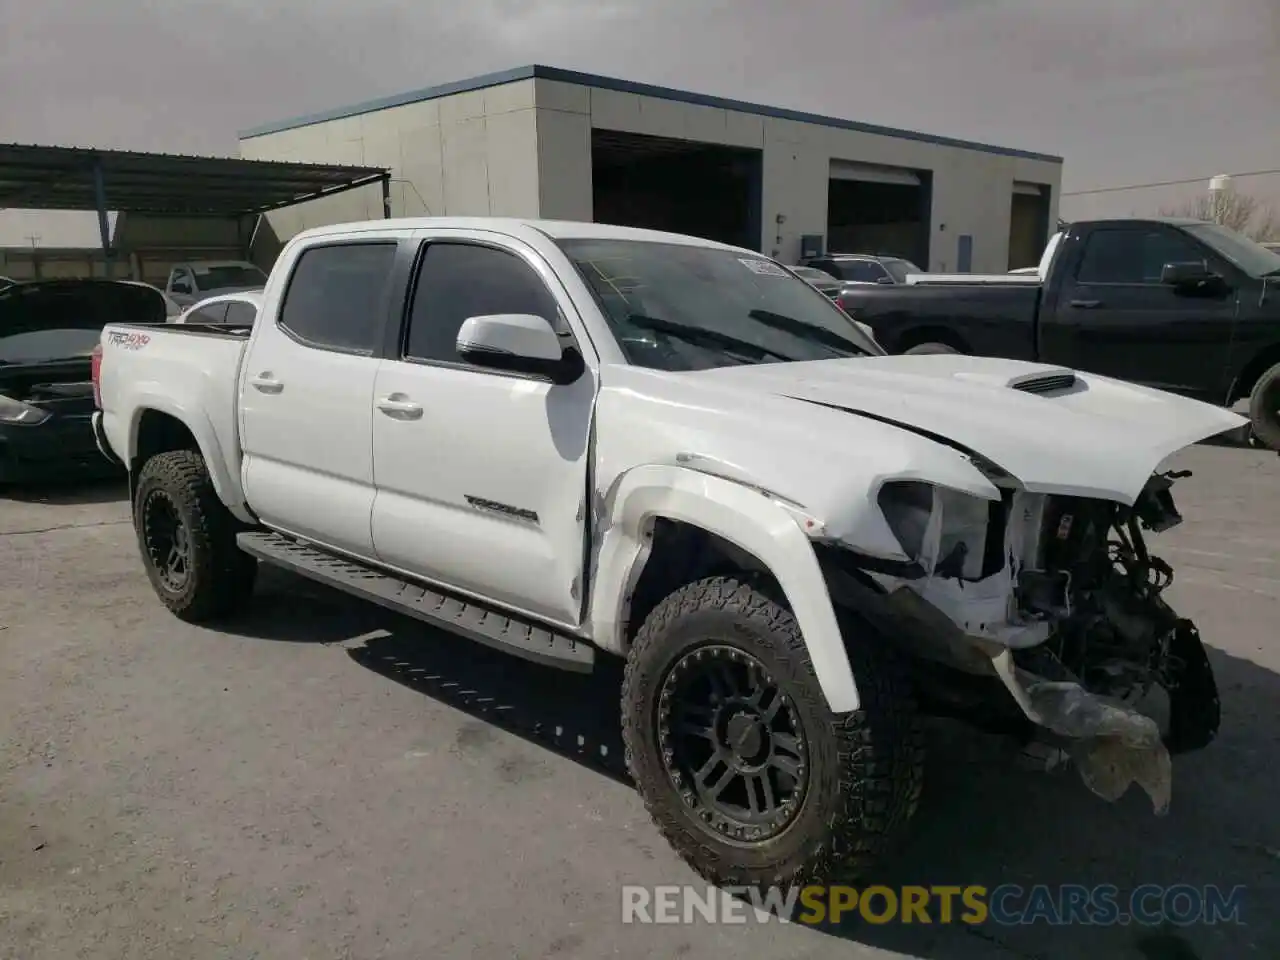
[[949, 533], [907, 506]]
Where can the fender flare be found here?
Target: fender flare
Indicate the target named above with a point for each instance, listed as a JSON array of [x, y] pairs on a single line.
[[745, 517], [201, 428]]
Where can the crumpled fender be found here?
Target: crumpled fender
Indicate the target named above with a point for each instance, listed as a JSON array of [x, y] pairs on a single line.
[[747, 518]]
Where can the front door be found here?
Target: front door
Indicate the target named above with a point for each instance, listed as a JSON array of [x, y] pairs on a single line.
[[1121, 321], [307, 397], [482, 475]]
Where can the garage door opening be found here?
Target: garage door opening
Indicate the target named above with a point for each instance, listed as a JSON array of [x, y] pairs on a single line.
[[701, 189], [1028, 224], [879, 210]]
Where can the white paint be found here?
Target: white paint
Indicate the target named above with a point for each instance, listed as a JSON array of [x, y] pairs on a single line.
[[378, 458]]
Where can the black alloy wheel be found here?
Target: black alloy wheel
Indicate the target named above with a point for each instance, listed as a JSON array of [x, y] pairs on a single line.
[[732, 743], [167, 540]]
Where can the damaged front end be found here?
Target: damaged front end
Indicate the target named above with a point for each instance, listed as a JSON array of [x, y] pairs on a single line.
[[1057, 598]]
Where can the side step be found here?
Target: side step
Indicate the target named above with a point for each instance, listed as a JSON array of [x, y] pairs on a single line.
[[467, 618]]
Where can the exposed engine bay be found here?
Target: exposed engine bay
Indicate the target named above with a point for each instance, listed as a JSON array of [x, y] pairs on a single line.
[[1061, 599]]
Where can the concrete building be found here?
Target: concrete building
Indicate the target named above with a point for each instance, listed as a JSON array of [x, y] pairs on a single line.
[[544, 142]]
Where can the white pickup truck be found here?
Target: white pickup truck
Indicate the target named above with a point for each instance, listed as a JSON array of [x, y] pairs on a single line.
[[572, 440]]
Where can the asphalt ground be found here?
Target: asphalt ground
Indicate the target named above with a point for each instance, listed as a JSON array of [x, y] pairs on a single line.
[[327, 780]]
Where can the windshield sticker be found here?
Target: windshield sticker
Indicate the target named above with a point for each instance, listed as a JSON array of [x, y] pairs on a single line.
[[762, 268]]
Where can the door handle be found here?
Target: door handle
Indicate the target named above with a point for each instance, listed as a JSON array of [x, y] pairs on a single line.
[[1086, 304], [265, 383], [400, 407]]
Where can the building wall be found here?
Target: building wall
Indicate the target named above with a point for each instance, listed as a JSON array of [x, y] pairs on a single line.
[[524, 149], [470, 154], [972, 190]]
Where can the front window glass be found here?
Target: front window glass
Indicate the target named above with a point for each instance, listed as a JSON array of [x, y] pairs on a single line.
[[683, 307], [1253, 258]]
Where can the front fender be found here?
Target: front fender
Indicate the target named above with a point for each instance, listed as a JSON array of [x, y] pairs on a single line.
[[747, 518]]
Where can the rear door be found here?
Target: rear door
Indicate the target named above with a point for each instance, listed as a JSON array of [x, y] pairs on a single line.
[[306, 402], [1118, 319]]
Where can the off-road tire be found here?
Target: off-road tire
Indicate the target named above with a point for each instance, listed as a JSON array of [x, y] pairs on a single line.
[[926, 348], [221, 576], [1262, 408], [866, 768]]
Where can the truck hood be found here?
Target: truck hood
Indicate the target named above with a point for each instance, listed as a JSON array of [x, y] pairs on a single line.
[[1055, 429]]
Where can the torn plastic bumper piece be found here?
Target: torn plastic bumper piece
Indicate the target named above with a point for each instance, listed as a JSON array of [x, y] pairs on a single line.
[[1112, 744]]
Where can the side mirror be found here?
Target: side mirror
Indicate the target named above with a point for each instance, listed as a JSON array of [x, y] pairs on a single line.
[[518, 343], [1187, 274], [884, 279]]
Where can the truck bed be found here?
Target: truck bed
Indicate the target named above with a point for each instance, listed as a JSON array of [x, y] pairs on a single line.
[[991, 319], [192, 371]]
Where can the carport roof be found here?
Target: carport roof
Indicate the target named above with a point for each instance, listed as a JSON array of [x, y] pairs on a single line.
[[86, 178]]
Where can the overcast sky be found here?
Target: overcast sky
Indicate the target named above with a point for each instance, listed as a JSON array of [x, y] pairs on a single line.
[[1126, 90]]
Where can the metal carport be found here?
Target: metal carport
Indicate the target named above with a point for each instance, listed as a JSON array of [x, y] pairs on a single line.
[[124, 181]]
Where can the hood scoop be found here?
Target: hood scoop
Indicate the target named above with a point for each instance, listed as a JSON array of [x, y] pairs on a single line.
[[1050, 383]]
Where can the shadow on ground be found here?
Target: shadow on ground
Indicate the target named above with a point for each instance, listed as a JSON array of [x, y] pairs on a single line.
[[69, 492], [982, 820]]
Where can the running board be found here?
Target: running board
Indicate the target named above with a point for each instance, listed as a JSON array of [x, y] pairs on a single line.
[[466, 618]]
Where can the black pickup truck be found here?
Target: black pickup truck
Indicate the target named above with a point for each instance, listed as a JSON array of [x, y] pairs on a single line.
[[1182, 305]]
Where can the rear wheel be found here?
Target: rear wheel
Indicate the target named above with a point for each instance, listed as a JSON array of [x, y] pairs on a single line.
[[188, 539], [1264, 408], [740, 763]]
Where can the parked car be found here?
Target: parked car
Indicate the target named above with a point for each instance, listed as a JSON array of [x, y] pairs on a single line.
[[820, 280], [195, 281], [569, 441], [864, 268], [48, 330], [1181, 305], [230, 308], [171, 307]]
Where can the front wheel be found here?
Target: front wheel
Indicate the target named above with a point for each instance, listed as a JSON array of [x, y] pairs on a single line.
[[188, 539], [1264, 408], [742, 766]]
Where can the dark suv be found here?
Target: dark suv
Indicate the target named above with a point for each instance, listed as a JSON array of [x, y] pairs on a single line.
[[863, 267]]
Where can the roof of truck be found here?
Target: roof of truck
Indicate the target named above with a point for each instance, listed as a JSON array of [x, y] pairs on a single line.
[[555, 229], [1171, 221]]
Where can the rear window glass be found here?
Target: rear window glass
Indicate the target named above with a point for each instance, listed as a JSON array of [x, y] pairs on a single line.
[[335, 299]]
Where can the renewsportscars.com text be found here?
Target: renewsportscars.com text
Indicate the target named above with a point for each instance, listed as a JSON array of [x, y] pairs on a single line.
[[1008, 904]]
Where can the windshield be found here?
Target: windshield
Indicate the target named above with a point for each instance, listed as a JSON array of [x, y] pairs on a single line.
[[898, 269], [676, 306], [63, 320], [229, 275], [1253, 258]]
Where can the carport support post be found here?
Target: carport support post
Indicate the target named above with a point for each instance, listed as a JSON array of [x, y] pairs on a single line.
[[100, 197], [386, 197]]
